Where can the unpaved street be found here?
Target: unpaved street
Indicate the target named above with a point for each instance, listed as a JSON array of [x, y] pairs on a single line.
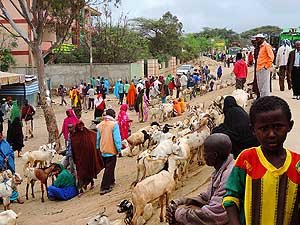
[[78, 210]]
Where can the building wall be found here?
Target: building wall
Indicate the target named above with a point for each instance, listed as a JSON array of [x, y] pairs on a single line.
[[21, 53], [71, 74]]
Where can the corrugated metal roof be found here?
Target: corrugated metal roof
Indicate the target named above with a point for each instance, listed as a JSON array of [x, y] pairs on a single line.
[[11, 78]]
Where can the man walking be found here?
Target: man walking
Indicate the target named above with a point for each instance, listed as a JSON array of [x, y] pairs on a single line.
[[281, 63], [27, 115], [293, 70], [109, 142], [264, 63], [121, 92]]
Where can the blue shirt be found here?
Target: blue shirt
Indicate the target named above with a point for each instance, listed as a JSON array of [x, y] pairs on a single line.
[[121, 88], [116, 137]]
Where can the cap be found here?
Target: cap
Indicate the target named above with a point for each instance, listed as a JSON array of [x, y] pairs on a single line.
[[259, 36]]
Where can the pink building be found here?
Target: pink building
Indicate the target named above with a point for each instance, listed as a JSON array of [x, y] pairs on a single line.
[[22, 53]]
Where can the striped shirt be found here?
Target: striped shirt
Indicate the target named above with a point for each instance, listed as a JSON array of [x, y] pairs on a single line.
[[264, 194]]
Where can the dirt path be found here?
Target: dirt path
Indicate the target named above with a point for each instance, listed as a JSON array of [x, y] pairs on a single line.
[[78, 210]]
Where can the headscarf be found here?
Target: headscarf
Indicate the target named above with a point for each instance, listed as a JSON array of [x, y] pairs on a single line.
[[169, 78], [131, 95], [116, 89], [72, 119], [64, 178], [177, 107], [229, 102], [237, 126], [182, 105], [15, 112]]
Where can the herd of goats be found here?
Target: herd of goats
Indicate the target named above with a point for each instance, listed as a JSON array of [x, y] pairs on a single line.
[[164, 153]]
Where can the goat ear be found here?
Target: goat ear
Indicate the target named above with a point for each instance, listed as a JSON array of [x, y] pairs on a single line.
[[174, 139]]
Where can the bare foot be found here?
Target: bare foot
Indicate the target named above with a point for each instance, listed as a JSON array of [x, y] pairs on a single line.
[[92, 187]]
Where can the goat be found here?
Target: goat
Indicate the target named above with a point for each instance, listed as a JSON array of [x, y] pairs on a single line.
[[42, 156], [153, 187], [7, 186], [8, 217], [137, 139], [38, 174]]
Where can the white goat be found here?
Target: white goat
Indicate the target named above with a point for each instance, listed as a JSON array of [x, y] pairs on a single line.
[[8, 217], [43, 156], [152, 188], [7, 186]]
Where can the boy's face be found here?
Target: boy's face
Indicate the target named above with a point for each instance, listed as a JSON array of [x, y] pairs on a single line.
[[271, 129], [210, 156]]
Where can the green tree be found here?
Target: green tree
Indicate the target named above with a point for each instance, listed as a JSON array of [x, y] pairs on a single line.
[[6, 59], [163, 35], [38, 15], [228, 35], [263, 29]]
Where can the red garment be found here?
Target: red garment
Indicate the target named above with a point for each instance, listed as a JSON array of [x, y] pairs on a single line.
[[250, 58], [147, 84], [27, 112], [171, 85], [240, 69], [124, 122], [85, 156]]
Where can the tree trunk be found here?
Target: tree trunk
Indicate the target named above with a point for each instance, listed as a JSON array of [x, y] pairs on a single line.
[[49, 114]]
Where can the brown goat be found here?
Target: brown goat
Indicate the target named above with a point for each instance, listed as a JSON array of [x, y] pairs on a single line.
[[38, 174]]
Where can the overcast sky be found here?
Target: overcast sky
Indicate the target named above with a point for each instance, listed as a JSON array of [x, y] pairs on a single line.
[[238, 15]]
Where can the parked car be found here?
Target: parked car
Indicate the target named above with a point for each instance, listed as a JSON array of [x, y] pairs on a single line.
[[185, 69]]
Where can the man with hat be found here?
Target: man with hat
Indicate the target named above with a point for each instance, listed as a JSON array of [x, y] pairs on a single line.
[[264, 63]]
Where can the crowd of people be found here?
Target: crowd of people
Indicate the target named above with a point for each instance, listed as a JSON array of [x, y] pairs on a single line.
[[255, 180]]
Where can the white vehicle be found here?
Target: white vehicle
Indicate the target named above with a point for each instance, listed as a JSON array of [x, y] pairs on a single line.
[[185, 69]]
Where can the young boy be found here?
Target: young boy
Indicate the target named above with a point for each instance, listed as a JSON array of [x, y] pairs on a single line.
[[263, 186], [241, 71]]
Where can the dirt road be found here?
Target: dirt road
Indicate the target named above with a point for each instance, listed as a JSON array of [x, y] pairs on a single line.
[[78, 210]]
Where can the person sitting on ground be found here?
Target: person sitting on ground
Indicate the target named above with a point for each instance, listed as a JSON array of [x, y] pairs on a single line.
[[64, 187], [263, 187], [176, 108], [182, 104], [206, 208], [237, 126]]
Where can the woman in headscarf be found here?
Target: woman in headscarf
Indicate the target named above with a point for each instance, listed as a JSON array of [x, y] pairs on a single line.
[[131, 96], [116, 89], [70, 119], [124, 122], [86, 157], [64, 187], [237, 126], [14, 131], [99, 106], [141, 106]]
